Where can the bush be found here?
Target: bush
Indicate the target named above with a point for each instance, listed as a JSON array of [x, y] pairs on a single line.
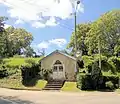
[[30, 61], [3, 72], [109, 85], [30, 70], [45, 73], [115, 63], [84, 82], [91, 81], [113, 78]]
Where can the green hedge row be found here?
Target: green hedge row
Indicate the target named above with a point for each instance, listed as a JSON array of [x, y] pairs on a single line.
[[86, 82]]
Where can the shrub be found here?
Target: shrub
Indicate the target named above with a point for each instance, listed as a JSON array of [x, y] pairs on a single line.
[[30, 61], [115, 63], [45, 73], [113, 78], [96, 76], [109, 85], [93, 80], [3, 72], [29, 71], [84, 82]]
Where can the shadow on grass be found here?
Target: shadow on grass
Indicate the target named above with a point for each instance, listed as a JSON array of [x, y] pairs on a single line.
[[15, 100], [30, 83]]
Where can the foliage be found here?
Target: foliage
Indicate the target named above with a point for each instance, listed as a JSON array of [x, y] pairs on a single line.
[[29, 71], [2, 20], [115, 63], [91, 80], [45, 73], [29, 52], [82, 30], [83, 82], [105, 29], [113, 78], [18, 39], [109, 85], [87, 60], [2, 37]]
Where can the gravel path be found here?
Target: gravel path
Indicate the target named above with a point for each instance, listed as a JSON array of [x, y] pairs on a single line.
[[56, 97]]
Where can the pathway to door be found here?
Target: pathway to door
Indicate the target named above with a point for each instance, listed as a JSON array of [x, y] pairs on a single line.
[[57, 97]]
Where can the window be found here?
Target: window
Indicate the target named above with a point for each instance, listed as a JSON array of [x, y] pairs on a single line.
[[57, 62], [55, 68], [61, 68]]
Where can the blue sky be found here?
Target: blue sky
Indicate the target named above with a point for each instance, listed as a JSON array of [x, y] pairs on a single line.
[[52, 33]]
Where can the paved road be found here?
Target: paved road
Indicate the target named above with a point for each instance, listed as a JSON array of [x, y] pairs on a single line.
[[44, 97]]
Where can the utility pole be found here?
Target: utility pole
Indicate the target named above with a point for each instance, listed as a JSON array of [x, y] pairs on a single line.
[[75, 36], [75, 14]]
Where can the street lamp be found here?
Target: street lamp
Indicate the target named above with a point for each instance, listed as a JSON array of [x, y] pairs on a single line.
[[75, 14]]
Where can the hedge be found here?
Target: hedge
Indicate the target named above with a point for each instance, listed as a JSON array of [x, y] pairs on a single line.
[[85, 82]]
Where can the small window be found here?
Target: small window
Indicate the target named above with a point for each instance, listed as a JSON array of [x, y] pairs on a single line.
[[57, 62], [55, 68], [61, 68]]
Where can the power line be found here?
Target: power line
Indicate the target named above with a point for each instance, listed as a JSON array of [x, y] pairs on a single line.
[[61, 25]]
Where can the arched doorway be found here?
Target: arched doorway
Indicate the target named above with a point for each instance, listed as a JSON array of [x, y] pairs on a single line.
[[58, 70]]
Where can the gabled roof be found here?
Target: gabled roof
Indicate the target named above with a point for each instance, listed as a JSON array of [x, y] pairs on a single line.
[[57, 51]]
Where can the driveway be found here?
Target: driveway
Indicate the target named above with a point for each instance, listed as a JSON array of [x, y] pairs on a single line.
[[56, 97]]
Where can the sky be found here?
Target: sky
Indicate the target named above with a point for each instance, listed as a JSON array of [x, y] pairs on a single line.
[[51, 22]]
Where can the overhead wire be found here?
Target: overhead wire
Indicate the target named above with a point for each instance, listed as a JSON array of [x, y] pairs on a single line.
[[61, 25]]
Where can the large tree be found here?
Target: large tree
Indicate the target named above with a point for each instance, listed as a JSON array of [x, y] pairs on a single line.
[[82, 30], [2, 36], [18, 38], [104, 33]]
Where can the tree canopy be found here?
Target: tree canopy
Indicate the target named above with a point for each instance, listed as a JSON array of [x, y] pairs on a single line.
[[106, 29], [12, 40]]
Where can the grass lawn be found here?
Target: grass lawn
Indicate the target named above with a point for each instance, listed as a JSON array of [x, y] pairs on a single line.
[[118, 90], [18, 61], [70, 86]]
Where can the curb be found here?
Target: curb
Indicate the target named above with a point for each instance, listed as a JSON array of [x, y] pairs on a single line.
[[27, 89]]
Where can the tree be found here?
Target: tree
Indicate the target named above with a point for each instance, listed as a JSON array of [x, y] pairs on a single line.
[[82, 30], [104, 33], [2, 36], [2, 20], [18, 38], [29, 51]]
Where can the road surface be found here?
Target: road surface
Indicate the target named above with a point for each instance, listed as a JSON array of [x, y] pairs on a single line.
[[55, 97]]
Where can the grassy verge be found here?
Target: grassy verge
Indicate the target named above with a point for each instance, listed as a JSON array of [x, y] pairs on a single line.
[[118, 90], [70, 86], [16, 84]]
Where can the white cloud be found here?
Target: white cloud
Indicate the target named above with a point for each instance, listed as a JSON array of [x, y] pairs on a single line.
[[58, 42], [19, 21], [6, 26], [38, 25], [45, 44], [35, 11]]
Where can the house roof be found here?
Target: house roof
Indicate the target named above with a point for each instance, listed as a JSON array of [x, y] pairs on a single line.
[[57, 51]]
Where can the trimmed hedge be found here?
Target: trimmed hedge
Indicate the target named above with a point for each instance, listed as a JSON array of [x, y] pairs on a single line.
[[85, 82]]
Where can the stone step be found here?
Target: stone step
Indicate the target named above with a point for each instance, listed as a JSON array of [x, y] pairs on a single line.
[[54, 85], [51, 88]]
